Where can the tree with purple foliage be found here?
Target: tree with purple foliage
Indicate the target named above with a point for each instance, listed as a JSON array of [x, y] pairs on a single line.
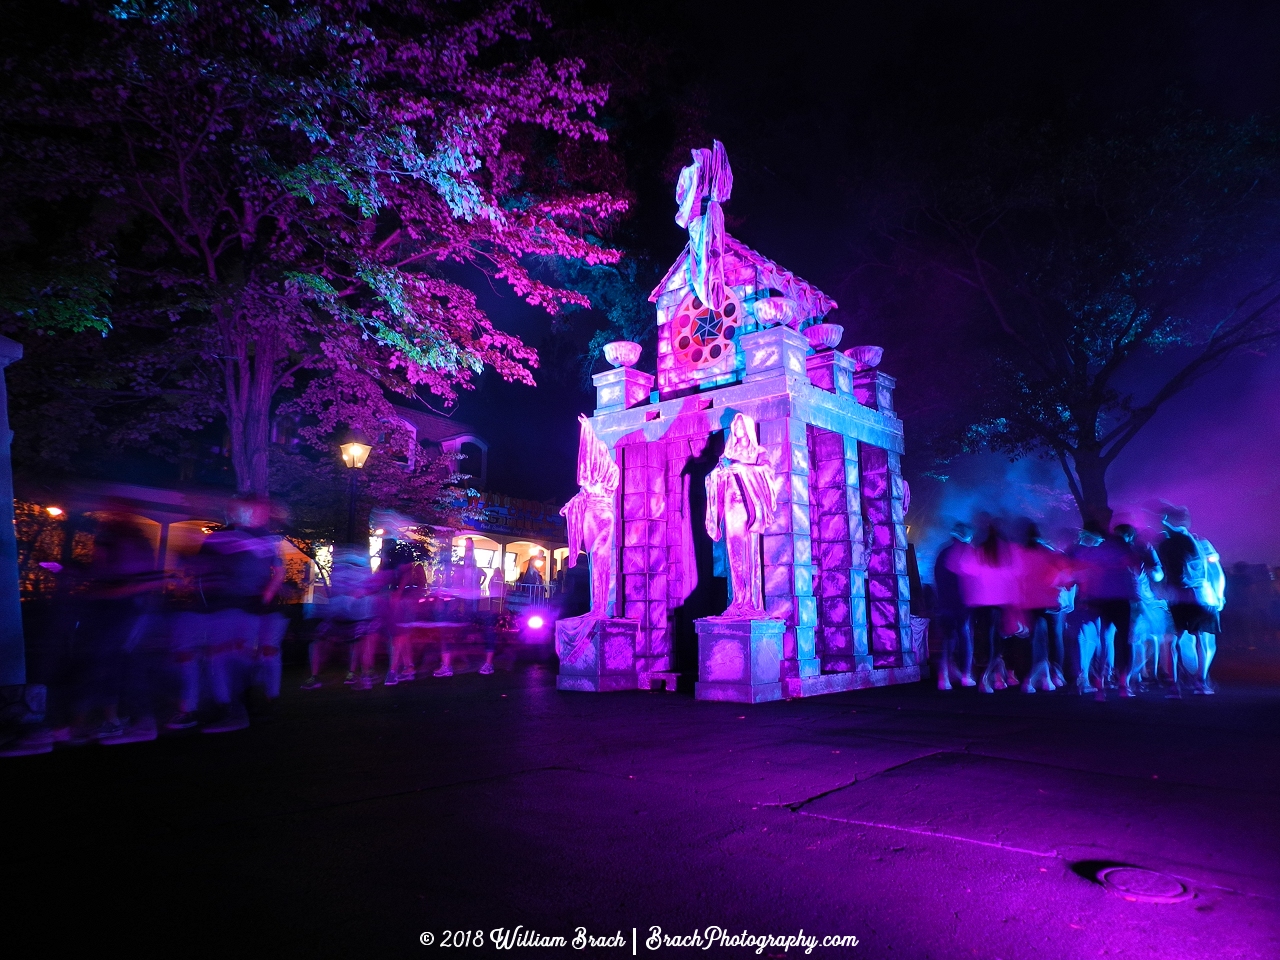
[[285, 198]]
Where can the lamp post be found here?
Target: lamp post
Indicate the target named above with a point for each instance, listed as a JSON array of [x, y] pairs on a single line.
[[354, 455]]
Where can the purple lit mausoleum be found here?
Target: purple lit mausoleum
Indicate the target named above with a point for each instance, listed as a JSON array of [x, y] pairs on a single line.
[[756, 424]]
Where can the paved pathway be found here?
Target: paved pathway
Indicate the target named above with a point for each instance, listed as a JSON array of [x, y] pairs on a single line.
[[925, 824]]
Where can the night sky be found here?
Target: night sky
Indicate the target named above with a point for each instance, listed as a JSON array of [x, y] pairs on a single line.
[[817, 107]]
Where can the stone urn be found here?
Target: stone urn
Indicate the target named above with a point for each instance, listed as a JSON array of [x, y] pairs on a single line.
[[772, 311], [824, 336], [622, 353], [865, 358]]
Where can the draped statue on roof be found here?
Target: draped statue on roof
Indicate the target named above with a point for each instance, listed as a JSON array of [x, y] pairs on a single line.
[[702, 187]]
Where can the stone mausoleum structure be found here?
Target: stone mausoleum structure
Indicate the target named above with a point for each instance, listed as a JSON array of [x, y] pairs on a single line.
[[812, 471]]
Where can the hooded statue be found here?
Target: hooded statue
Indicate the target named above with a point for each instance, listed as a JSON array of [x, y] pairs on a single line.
[[591, 516], [742, 495]]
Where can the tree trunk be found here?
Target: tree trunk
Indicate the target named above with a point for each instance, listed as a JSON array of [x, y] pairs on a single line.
[[249, 373], [1090, 487], [249, 447]]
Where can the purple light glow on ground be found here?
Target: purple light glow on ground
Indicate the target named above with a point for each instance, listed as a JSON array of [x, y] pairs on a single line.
[[926, 824]]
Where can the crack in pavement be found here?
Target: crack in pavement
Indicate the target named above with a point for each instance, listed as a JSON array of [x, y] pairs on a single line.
[[797, 807]]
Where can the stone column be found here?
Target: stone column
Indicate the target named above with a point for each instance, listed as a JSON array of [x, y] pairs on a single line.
[[885, 627], [775, 352], [831, 371], [621, 388], [643, 544], [787, 551], [787, 548], [888, 585], [835, 519], [13, 660]]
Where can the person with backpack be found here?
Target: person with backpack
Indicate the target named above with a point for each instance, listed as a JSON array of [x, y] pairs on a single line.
[[1212, 594], [1189, 591]]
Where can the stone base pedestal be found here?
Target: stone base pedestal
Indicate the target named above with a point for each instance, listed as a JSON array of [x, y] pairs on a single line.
[[596, 654], [658, 680], [859, 679], [738, 660]]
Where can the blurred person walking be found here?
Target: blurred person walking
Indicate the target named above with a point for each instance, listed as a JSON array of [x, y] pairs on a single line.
[[955, 619], [403, 583], [1150, 613], [239, 572], [1042, 574], [1194, 587], [1092, 659], [121, 576], [1110, 587], [345, 619], [989, 588]]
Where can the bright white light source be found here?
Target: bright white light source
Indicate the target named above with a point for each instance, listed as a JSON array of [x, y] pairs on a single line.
[[53, 511], [536, 622], [354, 454]]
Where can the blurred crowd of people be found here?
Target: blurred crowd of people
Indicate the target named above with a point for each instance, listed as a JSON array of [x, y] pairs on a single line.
[[134, 649], [120, 652], [368, 611], [1112, 611]]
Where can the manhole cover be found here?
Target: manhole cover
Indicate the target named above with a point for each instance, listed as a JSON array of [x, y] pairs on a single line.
[[1134, 883]]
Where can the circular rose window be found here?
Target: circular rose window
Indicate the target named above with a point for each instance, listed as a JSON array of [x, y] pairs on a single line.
[[702, 337]]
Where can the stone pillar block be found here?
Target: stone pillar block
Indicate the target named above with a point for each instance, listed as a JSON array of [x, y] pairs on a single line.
[[874, 389], [738, 660], [831, 371], [776, 352], [621, 388], [597, 655]]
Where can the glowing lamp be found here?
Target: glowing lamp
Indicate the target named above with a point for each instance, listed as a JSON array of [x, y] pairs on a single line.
[[379, 532], [354, 454], [536, 622], [537, 562], [53, 511]]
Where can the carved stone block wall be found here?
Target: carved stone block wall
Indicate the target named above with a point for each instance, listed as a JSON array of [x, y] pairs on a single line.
[[833, 554], [888, 588], [787, 547], [643, 540]]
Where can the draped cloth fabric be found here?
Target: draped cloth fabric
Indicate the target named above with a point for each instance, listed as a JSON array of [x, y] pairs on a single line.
[[754, 484], [591, 516], [702, 187], [742, 497]]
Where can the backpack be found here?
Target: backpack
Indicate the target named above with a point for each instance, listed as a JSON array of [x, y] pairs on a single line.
[[1195, 571]]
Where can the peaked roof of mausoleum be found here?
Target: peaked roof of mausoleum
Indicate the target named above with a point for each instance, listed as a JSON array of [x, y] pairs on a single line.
[[744, 265]]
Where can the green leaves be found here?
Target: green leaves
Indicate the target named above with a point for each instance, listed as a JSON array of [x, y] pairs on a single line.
[[71, 298]]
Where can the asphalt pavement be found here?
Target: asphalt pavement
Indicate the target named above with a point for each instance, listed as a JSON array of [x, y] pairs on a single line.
[[923, 824]]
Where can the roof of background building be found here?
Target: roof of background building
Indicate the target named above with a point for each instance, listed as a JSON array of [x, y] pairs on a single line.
[[433, 427]]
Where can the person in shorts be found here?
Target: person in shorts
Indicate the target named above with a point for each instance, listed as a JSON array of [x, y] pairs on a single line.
[[1184, 587]]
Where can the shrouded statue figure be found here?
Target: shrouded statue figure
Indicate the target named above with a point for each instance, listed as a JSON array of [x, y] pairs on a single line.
[[742, 497], [703, 186], [591, 516]]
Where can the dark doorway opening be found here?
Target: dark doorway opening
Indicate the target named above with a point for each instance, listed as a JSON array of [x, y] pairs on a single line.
[[710, 597]]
